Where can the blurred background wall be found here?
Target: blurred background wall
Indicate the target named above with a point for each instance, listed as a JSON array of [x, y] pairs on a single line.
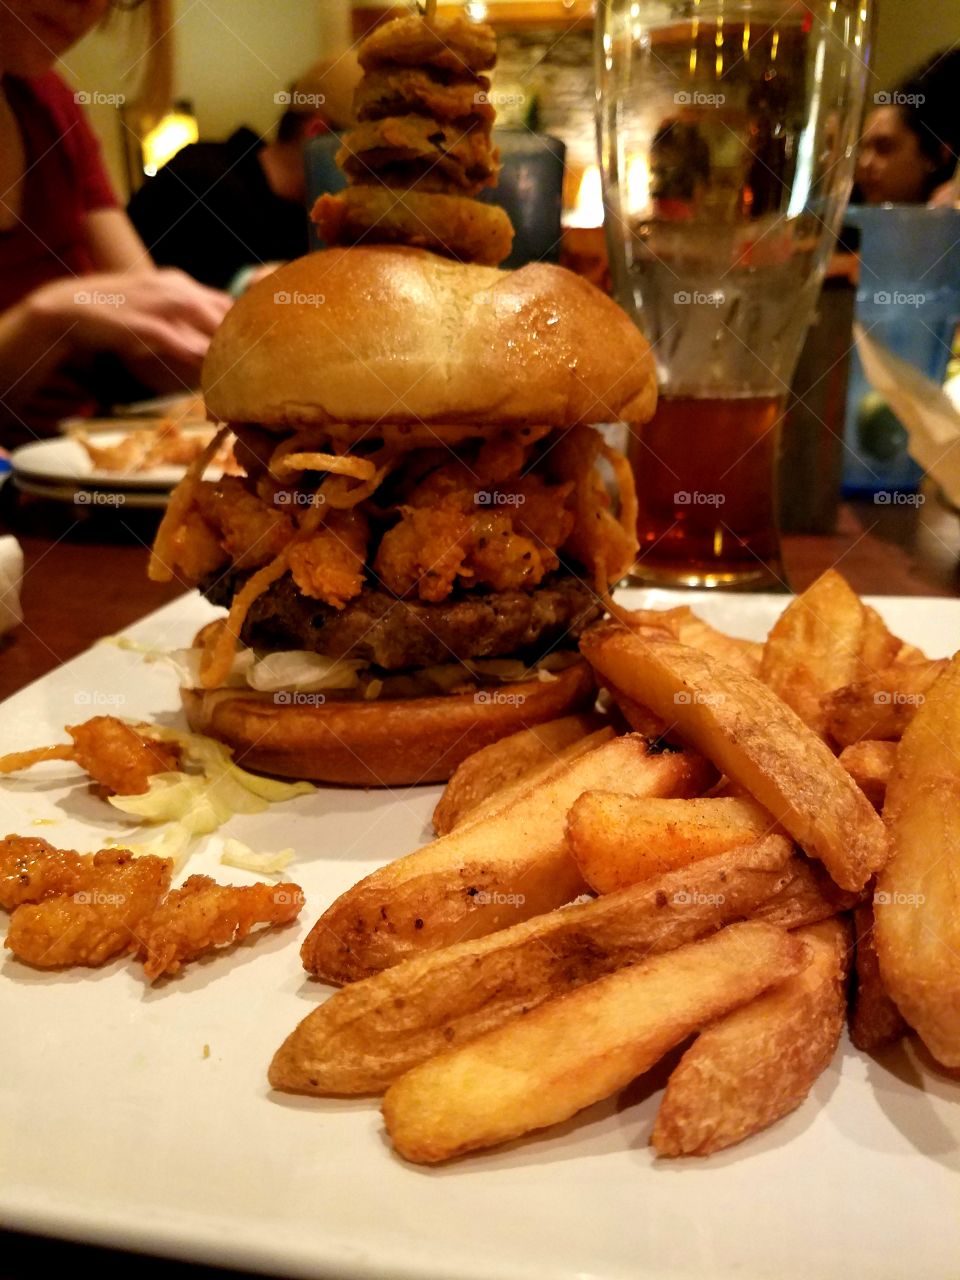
[[232, 57]]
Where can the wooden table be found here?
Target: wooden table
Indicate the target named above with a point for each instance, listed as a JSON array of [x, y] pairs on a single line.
[[85, 574], [86, 577]]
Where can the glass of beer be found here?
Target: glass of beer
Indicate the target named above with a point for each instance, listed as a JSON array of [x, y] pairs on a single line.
[[727, 132]]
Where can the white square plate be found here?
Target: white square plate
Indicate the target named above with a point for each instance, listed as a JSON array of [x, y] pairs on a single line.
[[118, 1130]]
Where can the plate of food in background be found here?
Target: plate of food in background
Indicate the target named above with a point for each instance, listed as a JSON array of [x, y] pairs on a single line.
[[143, 458]]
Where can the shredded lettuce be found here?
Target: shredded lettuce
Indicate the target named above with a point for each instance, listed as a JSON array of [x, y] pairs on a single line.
[[174, 842], [186, 663], [301, 671], [237, 854], [213, 790], [215, 762]]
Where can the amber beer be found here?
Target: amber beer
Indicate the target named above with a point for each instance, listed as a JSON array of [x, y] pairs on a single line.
[[706, 484]]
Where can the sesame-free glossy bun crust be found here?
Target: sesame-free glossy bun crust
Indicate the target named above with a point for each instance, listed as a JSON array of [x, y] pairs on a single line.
[[396, 334]]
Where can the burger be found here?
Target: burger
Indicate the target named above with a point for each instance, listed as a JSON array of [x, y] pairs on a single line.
[[426, 518]]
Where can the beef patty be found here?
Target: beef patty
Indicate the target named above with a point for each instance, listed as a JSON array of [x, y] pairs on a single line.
[[394, 634]]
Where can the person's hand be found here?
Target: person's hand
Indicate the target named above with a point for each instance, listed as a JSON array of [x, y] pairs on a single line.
[[260, 273], [946, 196], [159, 322]]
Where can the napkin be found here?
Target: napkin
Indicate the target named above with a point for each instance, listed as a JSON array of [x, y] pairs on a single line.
[[11, 577], [929, 415]]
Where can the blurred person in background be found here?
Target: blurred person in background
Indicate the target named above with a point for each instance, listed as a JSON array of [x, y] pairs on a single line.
[[82, 306], [228, 211], [911, 139]]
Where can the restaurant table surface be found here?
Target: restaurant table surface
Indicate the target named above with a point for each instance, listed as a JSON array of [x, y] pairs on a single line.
[[85, 577]]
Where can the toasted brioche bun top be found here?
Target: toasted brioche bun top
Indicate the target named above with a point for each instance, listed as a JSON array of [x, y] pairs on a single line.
[[395, 334]]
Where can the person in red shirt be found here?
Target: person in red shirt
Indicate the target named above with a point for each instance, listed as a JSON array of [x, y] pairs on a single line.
[[82, 305]]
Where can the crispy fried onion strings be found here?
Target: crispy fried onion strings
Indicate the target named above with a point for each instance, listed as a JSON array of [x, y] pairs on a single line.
[[161, 555], [18, 760], [336, 464]]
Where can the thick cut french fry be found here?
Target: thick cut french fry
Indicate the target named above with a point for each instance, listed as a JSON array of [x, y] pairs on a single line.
[[640, 719], [879, 647], [883, 704], [756, 739], [490, 873], [758, 1063], [808, 897], [542, 1068], [684, 626], [370, 1032], [917, 902], [485, 778], [816, 645], [875, 1020], [619, 840], [870, 764]]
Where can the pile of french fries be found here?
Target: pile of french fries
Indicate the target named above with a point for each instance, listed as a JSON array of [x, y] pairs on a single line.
[[705, 858]]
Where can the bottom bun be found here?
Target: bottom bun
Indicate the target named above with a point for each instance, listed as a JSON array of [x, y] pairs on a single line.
[[380, 743]]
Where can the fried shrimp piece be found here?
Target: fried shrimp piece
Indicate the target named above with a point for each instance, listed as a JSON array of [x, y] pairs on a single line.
[[202, 915], [121, 760], [598, 540], [329, 564], [452, 44], [480, 520], [195, 549], [432, 546], [423, 554], [250, 532], [31, 869], [455, 226], [498, 556], [115, 755], [95, 922], [543, 511], [395, 91], [227, 522], [411, 151]]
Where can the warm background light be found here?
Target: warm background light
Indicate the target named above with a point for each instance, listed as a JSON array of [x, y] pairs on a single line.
[[171, 134]]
